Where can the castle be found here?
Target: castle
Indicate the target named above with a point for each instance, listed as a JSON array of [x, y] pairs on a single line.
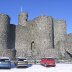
[[41, 37]]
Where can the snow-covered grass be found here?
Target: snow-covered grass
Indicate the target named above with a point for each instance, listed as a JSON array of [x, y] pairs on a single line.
[[39, 68]]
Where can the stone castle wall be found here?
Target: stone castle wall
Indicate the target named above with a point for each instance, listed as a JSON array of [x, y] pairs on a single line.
[[12, 36], [23, 38], [11, 42], [6, 37], [42, 35], [22, 42], [60, 36], [69, 43], [59, 30], [38, 38], [22, 18], [4, 31]]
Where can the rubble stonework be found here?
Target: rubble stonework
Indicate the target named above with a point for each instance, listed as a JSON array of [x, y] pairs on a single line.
[[41, 37], [69, 44], [5, 37], [22, 43], [4, 30], [22, 18], [59, 31], [42, 34]]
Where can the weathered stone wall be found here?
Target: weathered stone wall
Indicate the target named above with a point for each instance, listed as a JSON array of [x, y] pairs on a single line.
[[41, 29], [69, 37], [11, 52], [7, 38], [22, 42], [23, 36], [22, 18], [60, 36], [8, 53], [12, 36], [4, 32], [38, 38], [69, 43], [59, 30]]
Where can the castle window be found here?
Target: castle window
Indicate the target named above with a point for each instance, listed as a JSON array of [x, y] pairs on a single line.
[[32, 45]]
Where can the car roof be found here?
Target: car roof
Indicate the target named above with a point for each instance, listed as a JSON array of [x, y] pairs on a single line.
[[21, 58], [48, 58], [4, 58]]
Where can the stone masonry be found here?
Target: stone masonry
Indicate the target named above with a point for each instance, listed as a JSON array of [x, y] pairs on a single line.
[[60, 36], [41, 37]]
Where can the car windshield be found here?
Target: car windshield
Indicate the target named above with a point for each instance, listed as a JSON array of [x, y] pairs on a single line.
[[48, 58], [4, 60]]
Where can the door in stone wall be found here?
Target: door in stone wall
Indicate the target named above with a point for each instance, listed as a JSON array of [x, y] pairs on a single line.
[[35, 52]]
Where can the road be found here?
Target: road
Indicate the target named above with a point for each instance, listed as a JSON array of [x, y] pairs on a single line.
[[39, 68]]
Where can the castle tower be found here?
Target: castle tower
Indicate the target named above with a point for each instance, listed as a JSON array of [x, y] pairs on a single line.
[[60, 36], [42, 34], [59, 30], [22, 36], [22, 19], [4, 31]]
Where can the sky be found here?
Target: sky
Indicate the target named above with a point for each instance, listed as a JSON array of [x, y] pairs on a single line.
[[58, 9]]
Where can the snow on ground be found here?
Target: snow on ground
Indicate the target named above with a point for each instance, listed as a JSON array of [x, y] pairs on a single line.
[[39, 68]]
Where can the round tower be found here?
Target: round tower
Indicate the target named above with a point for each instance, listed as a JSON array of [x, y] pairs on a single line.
[[22, 19], [42, 33], [59, 30], [4, 31], [60, 37]]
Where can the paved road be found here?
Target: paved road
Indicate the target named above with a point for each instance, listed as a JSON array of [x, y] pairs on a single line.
[[39, 68]]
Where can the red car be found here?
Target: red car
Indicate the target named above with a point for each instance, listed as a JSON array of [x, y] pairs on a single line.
[[48, 62]]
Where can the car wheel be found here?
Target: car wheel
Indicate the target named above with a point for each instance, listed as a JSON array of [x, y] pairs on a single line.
[[45, 64], [54, 65]]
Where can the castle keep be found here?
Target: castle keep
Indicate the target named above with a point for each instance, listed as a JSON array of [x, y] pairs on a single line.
[[41, 37]]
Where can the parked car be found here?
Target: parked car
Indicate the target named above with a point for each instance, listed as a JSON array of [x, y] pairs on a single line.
[[5, 62], [48, 62], [22, 62]]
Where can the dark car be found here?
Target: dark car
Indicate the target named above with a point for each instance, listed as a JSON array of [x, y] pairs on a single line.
[[22, 62], [5, 62], [48, 62]]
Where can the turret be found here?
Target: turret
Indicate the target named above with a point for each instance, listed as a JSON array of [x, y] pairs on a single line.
[[59, 30], [42, 34], [22, 19], [60, 37], [4, 32]]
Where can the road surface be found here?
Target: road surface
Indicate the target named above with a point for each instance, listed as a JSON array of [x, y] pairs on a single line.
[[39, 68]]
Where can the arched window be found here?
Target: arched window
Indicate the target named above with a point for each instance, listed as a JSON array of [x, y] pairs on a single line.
[[32, 44]]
